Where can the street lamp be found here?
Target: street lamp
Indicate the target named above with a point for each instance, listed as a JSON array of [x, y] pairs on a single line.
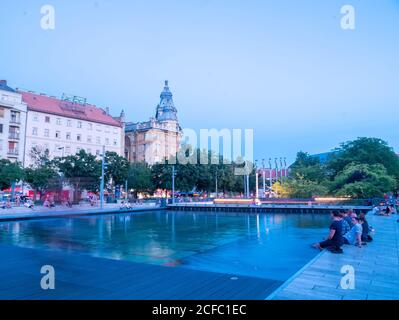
[[270, 173], [103, 167], [173, 184], [216, 183], [263, 176], [256, 180]]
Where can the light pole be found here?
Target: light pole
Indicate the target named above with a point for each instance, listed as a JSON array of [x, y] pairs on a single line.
[[281, 169], [103, 167], [276, 168], [270, 174], [173, 184], [285, 167], [256, 180], [263, 176], [216, 183]]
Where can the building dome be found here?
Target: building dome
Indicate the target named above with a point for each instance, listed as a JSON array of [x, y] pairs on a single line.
[[166, 110]]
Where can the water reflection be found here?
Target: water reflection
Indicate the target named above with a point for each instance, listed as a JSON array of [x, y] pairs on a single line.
[[241, 243]]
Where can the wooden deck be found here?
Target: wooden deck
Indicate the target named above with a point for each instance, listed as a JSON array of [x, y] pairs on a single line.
[[376, 269], [83, 277]]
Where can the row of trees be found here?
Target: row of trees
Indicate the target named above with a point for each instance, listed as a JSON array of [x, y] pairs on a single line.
[[363, 168]]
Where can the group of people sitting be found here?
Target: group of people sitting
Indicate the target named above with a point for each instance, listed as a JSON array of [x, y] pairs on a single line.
[[346, 228]]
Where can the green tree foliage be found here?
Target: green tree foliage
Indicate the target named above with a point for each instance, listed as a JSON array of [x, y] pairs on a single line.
[[363, 168], [42, 174], [140, 177], [117, 168], [363, 181], [367, 151], [82, 171], [10, 172]]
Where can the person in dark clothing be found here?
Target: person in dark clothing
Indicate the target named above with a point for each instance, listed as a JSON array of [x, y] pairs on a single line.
[[334, 240], [365, 228]]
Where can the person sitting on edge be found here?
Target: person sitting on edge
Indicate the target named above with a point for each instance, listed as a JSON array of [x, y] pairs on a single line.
[[354, 236], [345, 225], [365, 228], [334, 239]]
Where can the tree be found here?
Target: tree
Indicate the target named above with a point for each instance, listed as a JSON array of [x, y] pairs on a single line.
[[364, 181], [42, 175], [82, 171], [140, 177], [365, 151], [10, 172], [117, 168]]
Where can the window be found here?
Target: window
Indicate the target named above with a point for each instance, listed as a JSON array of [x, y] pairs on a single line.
[[79, 124], [47, 119], [46, 132], [46, 147], [1, 112], [116, 130], [58, 135], [98, 140], [97, 152], [1, 128], [77, 150], [68, 136], [1, 145], [99, 128], [34, 131], [90, 126], [89, 151], [89, 139], [59, 121], [69, 123], [106, 141], [115, 142], [35, 117], [107, 129], [15, 117], [68, 150], [79, 137]]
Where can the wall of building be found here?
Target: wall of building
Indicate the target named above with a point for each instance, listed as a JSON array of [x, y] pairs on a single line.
[[12, 126], [66, 136]]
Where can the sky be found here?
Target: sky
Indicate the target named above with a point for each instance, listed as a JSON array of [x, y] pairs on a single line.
[[285, 68]]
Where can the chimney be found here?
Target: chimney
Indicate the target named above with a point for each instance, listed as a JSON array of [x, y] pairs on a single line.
[[3, 82], [107, 110]]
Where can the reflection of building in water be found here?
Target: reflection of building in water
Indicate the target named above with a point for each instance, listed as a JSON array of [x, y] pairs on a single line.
[[156, 139]]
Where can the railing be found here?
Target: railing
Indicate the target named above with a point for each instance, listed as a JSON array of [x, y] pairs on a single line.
[[13, 135], [13, 152], [15, 121]]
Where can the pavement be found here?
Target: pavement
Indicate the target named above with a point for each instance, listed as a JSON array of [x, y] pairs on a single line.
[[39, 212], [373, 270]]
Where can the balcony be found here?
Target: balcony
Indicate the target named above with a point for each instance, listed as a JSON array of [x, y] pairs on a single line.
[[13, 135], [15, 121], [13, 152]]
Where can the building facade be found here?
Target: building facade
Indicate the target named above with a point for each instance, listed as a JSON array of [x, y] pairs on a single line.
[[13, 112], [158, 138], [67, 125]]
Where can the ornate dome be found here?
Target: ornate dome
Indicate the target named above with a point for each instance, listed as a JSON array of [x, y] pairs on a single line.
[[166, 110]]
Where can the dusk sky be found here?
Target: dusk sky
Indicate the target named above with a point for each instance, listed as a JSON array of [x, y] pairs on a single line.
[[283, 68]]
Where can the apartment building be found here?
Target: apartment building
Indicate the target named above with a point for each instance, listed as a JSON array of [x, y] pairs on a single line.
[[67, 125], [13, 112]]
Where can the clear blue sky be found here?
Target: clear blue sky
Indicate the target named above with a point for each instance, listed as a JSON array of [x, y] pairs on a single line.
[[284, 68]]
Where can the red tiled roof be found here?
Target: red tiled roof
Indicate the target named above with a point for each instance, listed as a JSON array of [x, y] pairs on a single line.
[[45, 104]]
